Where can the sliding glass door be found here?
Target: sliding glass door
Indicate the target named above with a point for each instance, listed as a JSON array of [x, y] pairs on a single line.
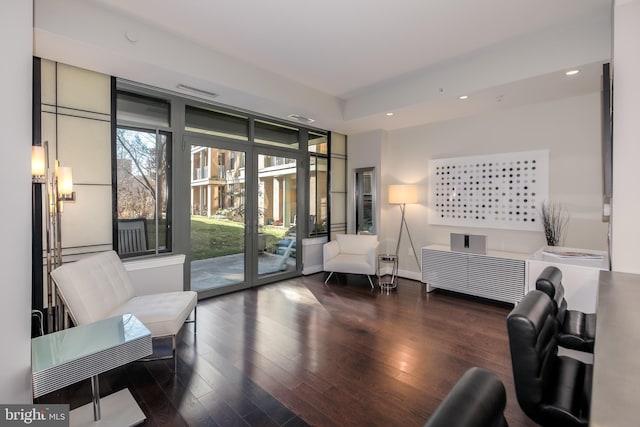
[[218, 218], [277, 186], [243, 214]]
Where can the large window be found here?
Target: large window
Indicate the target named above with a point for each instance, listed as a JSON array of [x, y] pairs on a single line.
[[147, 123], [142, 177]]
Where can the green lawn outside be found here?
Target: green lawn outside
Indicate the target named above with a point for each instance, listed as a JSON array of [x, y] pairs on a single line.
[[215, 237]]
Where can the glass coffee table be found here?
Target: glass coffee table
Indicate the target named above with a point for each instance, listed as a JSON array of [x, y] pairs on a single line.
[[71, 355]]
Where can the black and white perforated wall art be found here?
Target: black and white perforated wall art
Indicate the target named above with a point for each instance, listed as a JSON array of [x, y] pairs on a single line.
[[503, 190]]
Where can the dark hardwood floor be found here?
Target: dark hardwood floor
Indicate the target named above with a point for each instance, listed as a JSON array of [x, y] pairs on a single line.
[[300, 353]]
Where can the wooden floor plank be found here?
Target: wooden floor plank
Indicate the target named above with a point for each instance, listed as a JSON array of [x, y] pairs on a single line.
[[299, 352]]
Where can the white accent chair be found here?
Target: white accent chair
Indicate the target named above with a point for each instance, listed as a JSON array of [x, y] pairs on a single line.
[[98, 287], [352, 254]]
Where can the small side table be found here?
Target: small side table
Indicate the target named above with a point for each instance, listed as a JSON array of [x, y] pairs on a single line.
[[71, 355], [385, 260]]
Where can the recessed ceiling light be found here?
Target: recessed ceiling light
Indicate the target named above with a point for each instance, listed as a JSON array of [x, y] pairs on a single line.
[[389, 114], [300, 118], [464, 97], [572, 72], [201, 92]]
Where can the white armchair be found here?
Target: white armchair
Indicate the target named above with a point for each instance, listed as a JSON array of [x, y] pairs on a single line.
[[98, 287], [352, 254]]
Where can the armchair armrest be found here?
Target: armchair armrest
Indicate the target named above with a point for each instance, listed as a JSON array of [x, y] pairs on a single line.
[[330, 250], [372, 255]]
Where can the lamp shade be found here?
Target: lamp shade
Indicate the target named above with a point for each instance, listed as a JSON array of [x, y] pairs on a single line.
[[37, 160], [65, 181], [403, 194]]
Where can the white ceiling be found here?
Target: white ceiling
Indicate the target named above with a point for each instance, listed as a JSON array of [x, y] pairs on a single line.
[[376, 56]]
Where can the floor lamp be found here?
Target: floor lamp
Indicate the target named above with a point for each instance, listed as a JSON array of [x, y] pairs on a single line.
[[403, 195], [57, 183]]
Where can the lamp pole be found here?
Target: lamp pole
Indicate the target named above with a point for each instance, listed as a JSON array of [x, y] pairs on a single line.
[[403, 223]]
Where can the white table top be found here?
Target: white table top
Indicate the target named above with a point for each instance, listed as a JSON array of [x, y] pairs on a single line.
[[71, 355], [572, 256]]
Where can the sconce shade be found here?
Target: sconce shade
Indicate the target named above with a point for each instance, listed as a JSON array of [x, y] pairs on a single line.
[[65, 182], [37, 161], [403, 194]]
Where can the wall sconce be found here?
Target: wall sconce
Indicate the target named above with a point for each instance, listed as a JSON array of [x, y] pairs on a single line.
[[65, 184], [38, 164], [403, 195], [57, 185]]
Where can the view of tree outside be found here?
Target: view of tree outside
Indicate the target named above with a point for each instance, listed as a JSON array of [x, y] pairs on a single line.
[[142, 180]]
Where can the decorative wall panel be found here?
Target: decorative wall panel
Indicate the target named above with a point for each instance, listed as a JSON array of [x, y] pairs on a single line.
[[87, 223], [497, 191], [76, 122], [86, 145]]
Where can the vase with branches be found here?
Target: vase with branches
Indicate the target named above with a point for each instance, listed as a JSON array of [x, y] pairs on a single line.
[[554, 219]]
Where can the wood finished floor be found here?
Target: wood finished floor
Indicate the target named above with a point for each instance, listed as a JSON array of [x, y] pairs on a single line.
[[300, 353]]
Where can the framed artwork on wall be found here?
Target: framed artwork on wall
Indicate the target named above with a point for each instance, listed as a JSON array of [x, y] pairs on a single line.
[[503, 190]]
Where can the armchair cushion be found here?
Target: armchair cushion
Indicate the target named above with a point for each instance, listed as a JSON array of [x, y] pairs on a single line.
[[98, 287], [163, 314]]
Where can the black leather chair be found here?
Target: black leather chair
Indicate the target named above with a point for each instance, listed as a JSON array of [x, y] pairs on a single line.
[[552, 390], [478, 399], [577, 330]]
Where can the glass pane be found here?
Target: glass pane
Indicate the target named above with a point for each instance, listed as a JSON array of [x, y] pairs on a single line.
[[277, 205], [274, 134], [216, 123], [217, 217], [318, 195], [142, 191], [318, 143], [144, 110]]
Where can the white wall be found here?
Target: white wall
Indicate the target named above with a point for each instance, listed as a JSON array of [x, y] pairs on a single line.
[[626, 138], [15, 251], [569, 128]]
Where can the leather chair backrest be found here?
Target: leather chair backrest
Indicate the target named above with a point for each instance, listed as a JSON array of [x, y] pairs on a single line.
[[93, 286], [550, 282], [478, 399], [532, 329]]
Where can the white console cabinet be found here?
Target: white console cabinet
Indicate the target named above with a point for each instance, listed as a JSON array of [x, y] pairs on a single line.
[[579, 273], [500, 276]]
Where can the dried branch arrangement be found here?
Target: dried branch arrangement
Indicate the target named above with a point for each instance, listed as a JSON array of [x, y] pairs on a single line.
[[555, 219]]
